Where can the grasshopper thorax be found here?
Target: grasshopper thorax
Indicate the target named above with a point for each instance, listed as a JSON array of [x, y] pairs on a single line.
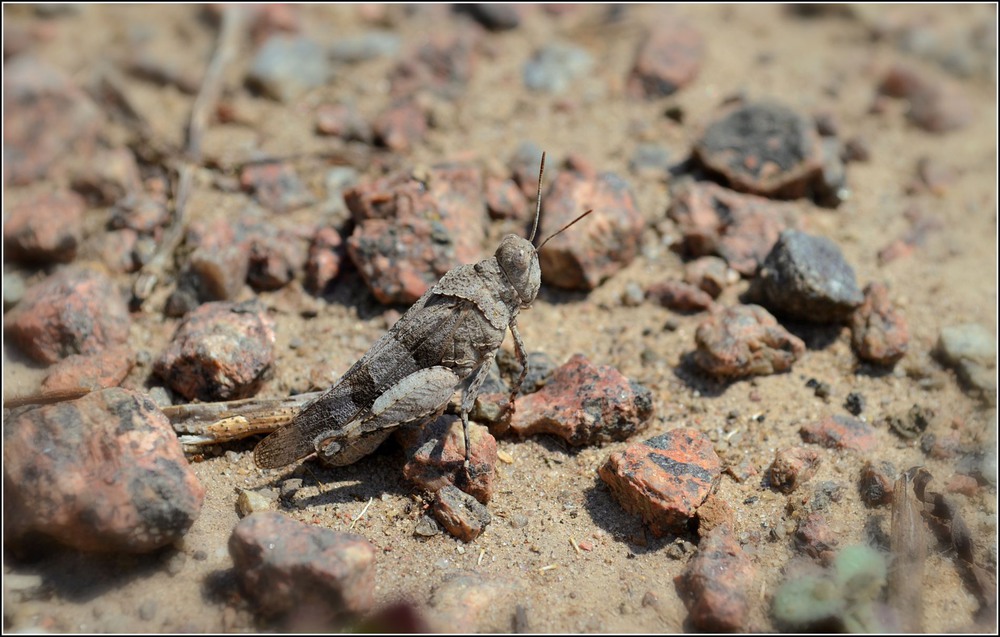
[[519, 262]]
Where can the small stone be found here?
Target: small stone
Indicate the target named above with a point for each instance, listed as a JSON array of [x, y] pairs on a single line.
[[936, 105], [745, 340], [13, 288], [555, 66], [933, 176], [367, 46], [679, 296], [460, 514], [742, 229], [712, 513], [111, 175], [764, 149], [325, 256], [877, 483], [541, 366], [585, 404], [286, 566], [343, 121], [716, 582], [504, 200], [252, 502], [435, 457], [971, 350], [275, 186], [806, 278], [216, 269], [443, 63], [792, 467], [401, 126], [608, 240], [667, 60], [879, 331], [944, 446], [914, 423], [468, 602], [287, 66], [664, 479], [815, 538], [857, 149], [493, 16], [649, 160], [221, 351], [145, 214], [107, 368], [632, 295], [44, 229], [742, 471], [426, 527], [74, 311], [112, 478], [963, 484], [854, 403], [840, 432], [710, 274]]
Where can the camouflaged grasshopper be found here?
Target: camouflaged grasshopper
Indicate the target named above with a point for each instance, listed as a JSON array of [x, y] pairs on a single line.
[[443, 343]]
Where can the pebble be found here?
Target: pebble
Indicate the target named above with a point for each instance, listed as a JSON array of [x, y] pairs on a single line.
[[651, 160], [221, 351], [112, 478], [343, 121], [286, 566], [468, 602], [493, 16], [840, 432], [44, 229], [806, 277], [252, 502], [935, 105], [815, 538], [854, 403], [913, 423], [276, 255], [971, 350], [75, 311], [435, 457], [48, 121], [632, 295], [762, 148], [367, 46], [460, 514], [667, 60], [880, 334], [288, 66], [142, 213], [585, 404], [541, 366], [744, 340], [716, 582], [443, 63], [679, 296], [555, 66], [743, 235], [326, 253], [276, 186], [664, 479], [426, 527], [710, 274], [791, 467], [77, 372], [606, 241], [401, 126], [877, 483]]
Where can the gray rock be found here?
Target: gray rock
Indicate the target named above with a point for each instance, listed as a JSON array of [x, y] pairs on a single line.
[[288, 66], [971, 350], [555, 66], [366, 46]]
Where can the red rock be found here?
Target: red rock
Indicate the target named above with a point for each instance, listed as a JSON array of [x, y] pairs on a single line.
[[109, 176], [745, 340], [112, 476], [936, 105], [342, 120], [792, 467], [840, 432], [942, 446], [118, 250], [879, 332], [740, 228], [665, 479], [91, 373], [504, 200], [325, 256], [44, 229], [401, 126], [277, 255], [667, 60], [713, 513], [679, 296], [877, 483], [959, 483], [142, 213], [460, 514], [275, 186], [602, 244], [710, 274], [47, 121], [815, 538], [716, 582], [584, 404], [221, 351], [435, 457], [288, 567], [74, 311]]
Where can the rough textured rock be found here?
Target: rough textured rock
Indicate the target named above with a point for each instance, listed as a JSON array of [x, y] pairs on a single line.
[[740, 228], [745, 340], [716, 582], [275, 186], [840, 432], [936, 105], [74, 311], [401, 126], [805, 277], [667, 60], [460, 514], [221, 351], [435, 457], [584, 404], [112, 476], [44, 229], [710, 274], [286, 566], [815, 538], [877, 483], [792, 467], [664, 479], [92, 372], [504, 200], [764, 149], [606, 241], [343, 121], [679, 296], [879, 332]]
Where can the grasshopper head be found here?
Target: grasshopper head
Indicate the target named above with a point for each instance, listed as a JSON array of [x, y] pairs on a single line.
[[519, 262]]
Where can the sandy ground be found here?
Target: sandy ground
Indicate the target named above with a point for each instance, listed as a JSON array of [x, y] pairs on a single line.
[[551, 493]]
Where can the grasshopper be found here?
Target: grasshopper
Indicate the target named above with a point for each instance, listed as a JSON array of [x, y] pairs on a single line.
[[443, 343]]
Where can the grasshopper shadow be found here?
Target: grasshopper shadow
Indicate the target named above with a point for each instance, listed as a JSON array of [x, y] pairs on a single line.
[[378, 473]]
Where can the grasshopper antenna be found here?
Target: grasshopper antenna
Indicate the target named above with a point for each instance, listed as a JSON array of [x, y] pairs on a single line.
[[538, 203], [566, 227]]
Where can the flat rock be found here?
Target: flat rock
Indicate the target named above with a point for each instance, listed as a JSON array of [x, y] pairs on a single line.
[[460, 514], [840, 432], [285, 566], [44, 229], [764, 149], [584, 404], [664, 479], [74, 311], [679, 296], [791, 467], [740, 228], [745, 340], [276, 255], [806, 278], [221, 351], [606, 241], [112, 477], [667, 60], [435, 457], [716, 582], [288, 66], [971, 350], [92, 372], [879, 331]]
